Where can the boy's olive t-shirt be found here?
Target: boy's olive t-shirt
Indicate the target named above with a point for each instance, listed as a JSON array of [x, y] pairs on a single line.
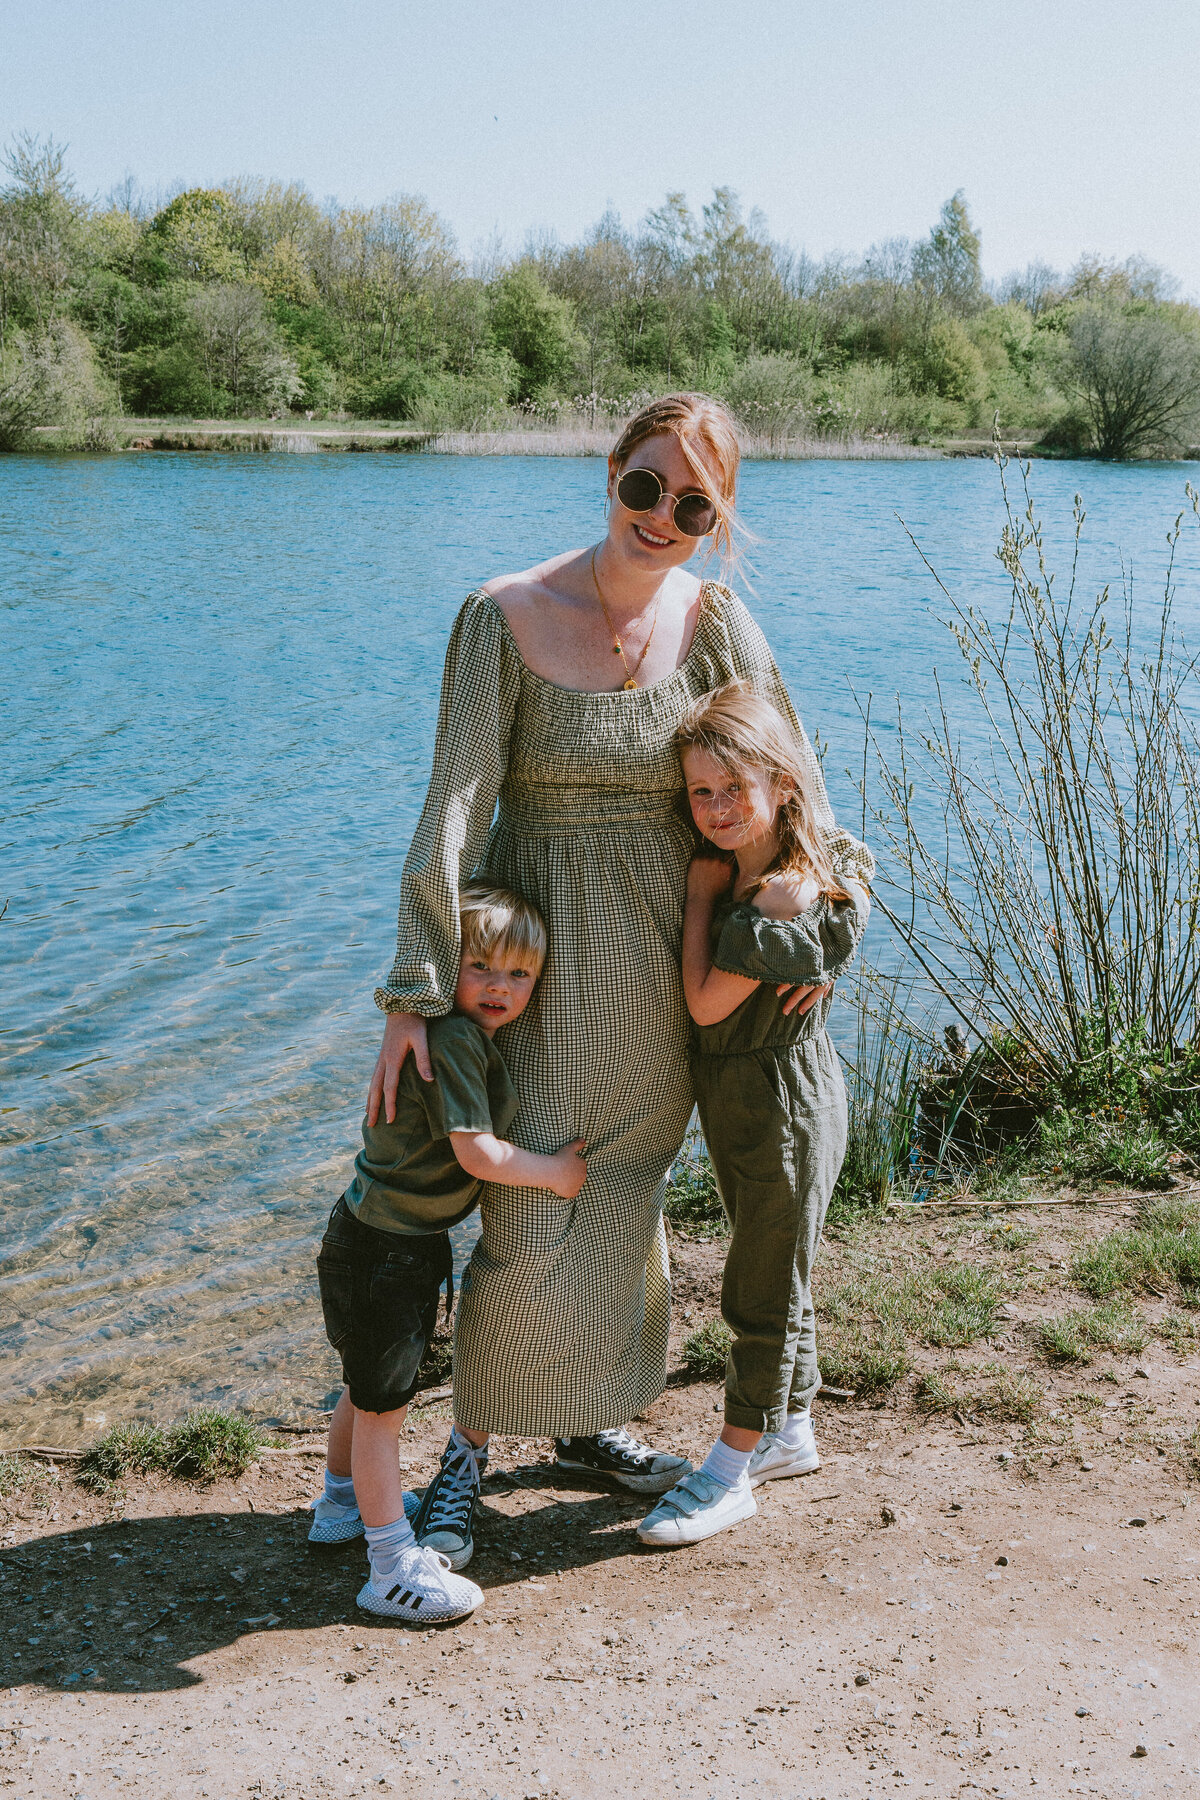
[[406, 1176]]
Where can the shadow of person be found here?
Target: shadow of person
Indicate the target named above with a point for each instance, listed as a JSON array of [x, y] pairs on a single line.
[[129, 1604]]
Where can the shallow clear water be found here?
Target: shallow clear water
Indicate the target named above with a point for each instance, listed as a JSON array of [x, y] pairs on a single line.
[[219, 678]]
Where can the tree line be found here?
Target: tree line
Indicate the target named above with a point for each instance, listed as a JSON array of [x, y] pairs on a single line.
[[253, 300]]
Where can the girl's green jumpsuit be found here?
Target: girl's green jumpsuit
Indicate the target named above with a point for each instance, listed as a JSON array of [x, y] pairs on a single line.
[[772, 1106]]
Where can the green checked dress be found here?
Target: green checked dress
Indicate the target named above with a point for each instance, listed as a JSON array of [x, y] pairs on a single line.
[[562, 1324]]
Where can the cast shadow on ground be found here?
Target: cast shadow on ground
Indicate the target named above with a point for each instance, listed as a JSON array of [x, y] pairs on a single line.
[[123, 1606]]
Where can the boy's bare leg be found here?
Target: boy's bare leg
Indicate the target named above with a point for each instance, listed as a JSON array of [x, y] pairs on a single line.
[[341, 1436], [375, 1464]]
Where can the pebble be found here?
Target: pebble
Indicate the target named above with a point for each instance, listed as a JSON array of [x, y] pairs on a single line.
[[1087, 1467], [1140, 1750], [1002, 1562], [1081, 1712], [862, 1680], [887, 1515], [1005, 1456], [1137, 1521]]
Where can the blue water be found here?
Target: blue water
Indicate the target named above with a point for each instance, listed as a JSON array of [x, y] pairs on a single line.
[[219, 679]]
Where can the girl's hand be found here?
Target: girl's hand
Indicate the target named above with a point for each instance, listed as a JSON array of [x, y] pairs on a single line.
[[570, 1170], [707, 877], [801, 999], [403, 1032]]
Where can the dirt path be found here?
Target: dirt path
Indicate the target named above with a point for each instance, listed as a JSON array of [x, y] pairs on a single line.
[[918, 1615]]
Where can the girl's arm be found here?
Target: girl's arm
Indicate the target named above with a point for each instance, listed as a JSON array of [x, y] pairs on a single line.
[[489, 1158], [711, 994]]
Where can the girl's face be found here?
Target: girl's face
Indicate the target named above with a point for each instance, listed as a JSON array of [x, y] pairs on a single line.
[[732, 812], [651, 540]]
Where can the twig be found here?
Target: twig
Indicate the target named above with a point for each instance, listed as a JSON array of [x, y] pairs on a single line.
[[47, 1453]]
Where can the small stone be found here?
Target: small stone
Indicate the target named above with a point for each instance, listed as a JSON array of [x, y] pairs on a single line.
[[1081, 1712], [349, 1676], [1142, 1374], [1005, 1456], [1087, 1467], [887, 1516], [1137, 1521], [1140, 1750], [1002, 1562], [862, 1680]]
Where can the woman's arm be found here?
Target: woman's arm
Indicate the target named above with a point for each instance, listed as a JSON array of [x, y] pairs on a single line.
[[480, 688], [489, 1158]]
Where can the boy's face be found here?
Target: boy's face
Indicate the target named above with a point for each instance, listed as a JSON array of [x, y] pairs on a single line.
[[493, 989]]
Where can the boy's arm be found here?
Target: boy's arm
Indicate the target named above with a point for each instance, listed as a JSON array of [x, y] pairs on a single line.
[[711, 994], [489, 1158]]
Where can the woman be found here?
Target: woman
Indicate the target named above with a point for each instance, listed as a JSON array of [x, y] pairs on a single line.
[[562, 692]]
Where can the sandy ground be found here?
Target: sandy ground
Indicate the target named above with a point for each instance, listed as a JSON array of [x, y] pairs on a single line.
[[917, 1615]]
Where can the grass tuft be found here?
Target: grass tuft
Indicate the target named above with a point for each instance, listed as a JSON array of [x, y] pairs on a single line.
[[1160, 1252], [967, 1308], [866, 1364], [705, 1350], [204, 1445], [1085, 1150], [1009, 1397], [15, 1472], [1112, 1325]]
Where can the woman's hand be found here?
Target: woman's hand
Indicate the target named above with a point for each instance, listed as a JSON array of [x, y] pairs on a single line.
[[707, 877], [403, 1032], [801, 999]]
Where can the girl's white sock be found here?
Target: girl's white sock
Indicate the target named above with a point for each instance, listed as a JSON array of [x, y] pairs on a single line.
[[796, 1428], [339, 1489], [385, 1542], [726, 1465]]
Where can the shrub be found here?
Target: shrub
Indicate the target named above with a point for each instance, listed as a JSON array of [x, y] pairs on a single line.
[[123, 1450], [705, 1350], [1138, 380], [207, 1444], [693, 1203], [881, 1094]]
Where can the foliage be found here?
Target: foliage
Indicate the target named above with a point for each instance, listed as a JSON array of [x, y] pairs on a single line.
[[1057, 908], [706, 1348], [693, 1205], [376, 310], [881, 1094], [1088, 1148], [1015, 1398], [1137, 376]]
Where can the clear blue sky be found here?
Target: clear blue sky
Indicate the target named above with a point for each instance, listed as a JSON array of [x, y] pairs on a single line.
[[1072, 126]]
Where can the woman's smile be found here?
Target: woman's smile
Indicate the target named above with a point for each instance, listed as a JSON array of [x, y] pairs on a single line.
[[651, 539]]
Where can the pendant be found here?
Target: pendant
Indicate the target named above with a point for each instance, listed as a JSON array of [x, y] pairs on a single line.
[[616, 646], [631, 683]]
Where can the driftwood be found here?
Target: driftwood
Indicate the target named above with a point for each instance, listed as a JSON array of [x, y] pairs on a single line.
[[1180, 1191]]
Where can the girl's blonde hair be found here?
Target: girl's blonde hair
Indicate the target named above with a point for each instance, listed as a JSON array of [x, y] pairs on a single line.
[[744, 734], [495, 919], [708, 439]]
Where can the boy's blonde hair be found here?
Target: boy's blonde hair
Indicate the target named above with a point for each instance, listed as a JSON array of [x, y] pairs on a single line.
[[744, 733], [494, 918]]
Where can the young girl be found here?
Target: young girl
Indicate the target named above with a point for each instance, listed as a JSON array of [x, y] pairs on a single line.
[[768, 912]]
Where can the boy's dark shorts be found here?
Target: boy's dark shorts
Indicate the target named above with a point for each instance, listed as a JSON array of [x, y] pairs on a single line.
[[379, 1294]]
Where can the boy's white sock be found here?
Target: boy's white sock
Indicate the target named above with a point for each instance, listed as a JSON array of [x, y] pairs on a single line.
[[385, 1542], [796, 1427], [726, 1465], [339, 1489]]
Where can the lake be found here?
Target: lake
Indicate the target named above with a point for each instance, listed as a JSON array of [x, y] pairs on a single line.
[[220, 675]]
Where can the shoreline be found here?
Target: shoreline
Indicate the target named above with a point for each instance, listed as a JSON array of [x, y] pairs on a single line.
[[286, 437]]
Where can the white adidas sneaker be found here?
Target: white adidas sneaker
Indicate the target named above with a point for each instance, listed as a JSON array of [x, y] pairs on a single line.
[[421, 1588], [772, 1459], [333, 1524]]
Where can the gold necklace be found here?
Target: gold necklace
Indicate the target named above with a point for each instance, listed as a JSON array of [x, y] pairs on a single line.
[[618, 646]]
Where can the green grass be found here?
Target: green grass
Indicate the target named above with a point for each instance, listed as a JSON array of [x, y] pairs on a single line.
[[1015, 1398], [966, 1308], [15, 1474], [1073, 1336], [202, 1447], [864, 1362], [706, 1349], [1086, 1149], [1160, 1252]]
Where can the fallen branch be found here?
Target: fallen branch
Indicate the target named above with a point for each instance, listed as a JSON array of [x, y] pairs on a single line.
[[47, 1453]]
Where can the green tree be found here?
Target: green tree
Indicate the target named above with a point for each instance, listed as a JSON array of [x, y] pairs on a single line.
[[536, 327], [197, 235], [1137, 377], [947, 264], [243, 355]]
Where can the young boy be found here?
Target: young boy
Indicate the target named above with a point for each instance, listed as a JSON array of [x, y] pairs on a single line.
[[386, 1252]]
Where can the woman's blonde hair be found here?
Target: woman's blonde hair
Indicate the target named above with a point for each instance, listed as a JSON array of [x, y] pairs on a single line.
[[495, 919], [708, 439], [744, 734]]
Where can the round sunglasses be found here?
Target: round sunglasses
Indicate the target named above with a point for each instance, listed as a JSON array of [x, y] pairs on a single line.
[[640, 490]]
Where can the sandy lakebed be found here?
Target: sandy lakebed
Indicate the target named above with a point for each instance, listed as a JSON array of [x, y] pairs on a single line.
[[950, 1605]]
